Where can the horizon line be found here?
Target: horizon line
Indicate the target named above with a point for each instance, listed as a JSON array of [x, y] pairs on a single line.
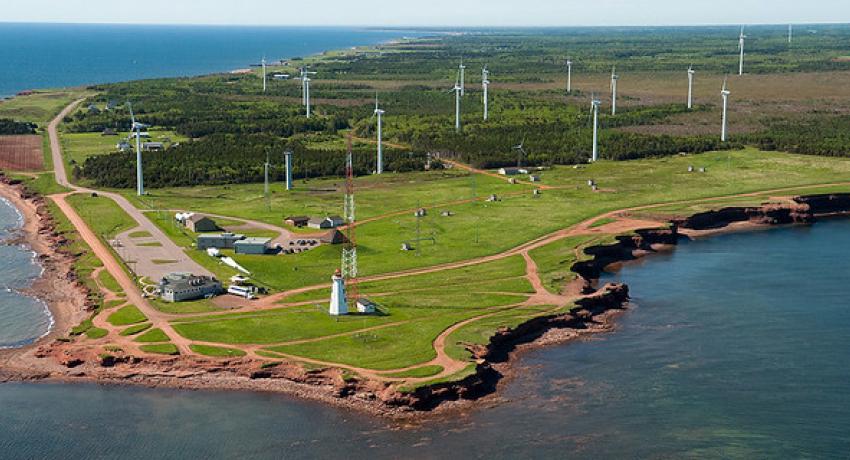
[[432, 27]]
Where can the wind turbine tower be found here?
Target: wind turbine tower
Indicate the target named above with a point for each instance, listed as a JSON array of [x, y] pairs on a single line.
[[724, 93], [458, 90], [462, 69], [264, 74], [136, 130], [594, 107], [303, 93], [287, 155], [307, 94], [379, 113], [741, 49], [266, 179], [485, 84], [569, 76], [690, 87], [790, 33], [520, 153], [614, 78]]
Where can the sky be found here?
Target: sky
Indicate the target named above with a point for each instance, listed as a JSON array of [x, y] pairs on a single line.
[[398, 13]]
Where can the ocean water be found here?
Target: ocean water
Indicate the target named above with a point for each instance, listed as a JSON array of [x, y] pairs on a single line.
[[23, 319], [57, 55], [736, 348]]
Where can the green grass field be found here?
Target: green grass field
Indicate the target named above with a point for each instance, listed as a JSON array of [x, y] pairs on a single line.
[[126, 316], [39, 107]]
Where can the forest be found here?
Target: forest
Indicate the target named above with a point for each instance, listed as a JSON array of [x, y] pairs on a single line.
[[233, 159], [12, 127], [234, 124]]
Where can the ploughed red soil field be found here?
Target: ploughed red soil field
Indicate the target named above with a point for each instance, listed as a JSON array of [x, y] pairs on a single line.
[[21, 153]]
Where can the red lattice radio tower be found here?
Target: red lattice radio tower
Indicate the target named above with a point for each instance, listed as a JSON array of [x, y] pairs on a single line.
[[349, 251]]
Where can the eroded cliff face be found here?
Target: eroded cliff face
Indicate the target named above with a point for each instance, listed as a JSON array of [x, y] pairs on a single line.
[[798, 210]]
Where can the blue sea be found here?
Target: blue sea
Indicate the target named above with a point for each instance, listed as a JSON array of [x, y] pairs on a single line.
[[34, 56], [23, 319], [736, 347]]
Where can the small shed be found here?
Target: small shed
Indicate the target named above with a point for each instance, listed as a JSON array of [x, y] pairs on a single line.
[[421, 212], [325, 222], [253, 246], [296, 221], [153, 146], [108, 132], [199, 223], [366, 306], [333, 237]]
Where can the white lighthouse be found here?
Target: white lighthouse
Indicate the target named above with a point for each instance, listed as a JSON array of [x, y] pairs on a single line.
[[339, 306]]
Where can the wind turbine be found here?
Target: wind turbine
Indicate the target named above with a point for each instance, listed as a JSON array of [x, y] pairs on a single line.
[[458, 90], [136, 128], [614, 78], [520, 153], [379, 113], [307, 94], [594, 107], [790, 33], [724, 93], [462, 69], [569, 76], [305, 75], [690, 87], [264, 74], [266, 181], [741, 49], [485, 84]]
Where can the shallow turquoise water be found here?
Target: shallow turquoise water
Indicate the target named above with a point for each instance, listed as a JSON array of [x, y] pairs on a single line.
[[737, 348]]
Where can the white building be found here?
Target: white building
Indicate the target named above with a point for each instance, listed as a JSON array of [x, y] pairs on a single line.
[[339, 305]]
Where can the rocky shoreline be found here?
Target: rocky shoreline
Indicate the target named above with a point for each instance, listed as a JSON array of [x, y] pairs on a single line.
[[58, 360]]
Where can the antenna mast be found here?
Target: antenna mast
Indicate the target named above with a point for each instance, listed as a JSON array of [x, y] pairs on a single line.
[[349, 251]]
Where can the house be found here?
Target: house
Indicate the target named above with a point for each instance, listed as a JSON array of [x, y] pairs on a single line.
[[280, 76], [366, 306], [153, 146], [123, 146], [406, 247], [447, 214], [421, 212], [296, 221], [512, 171], [142, 135], [534, 178], [177, 287], [218, 240], [93, 109], [200, 223], [325, 222], [108, 132], [333, 237], [253, 246], [493, 198]]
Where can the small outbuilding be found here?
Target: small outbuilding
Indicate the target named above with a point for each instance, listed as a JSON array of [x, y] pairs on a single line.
[[296, 221], [366, 306], [508, 171], [254, 246], [218, 240], [153, 146], [421, 212], [200, 223], [325, 222], [333, 237]]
